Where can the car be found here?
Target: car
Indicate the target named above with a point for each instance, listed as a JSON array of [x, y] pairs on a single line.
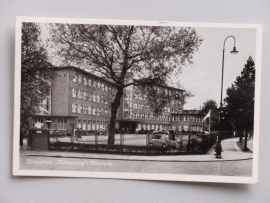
[[101, 131], [161, 139]]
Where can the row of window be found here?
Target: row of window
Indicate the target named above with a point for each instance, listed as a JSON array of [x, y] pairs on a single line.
[[78, 108], [164, 90], [135, 105], [94, 83], [133, 115], [187, 118], [61, 123], [91, 124], [90, 97], [163, 127]]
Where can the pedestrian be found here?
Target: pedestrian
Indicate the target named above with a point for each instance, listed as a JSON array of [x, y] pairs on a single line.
[[21, 138]]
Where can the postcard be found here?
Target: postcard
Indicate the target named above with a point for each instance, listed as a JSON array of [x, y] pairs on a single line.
[[146, 100]]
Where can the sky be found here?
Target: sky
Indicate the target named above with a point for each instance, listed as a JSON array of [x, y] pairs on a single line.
[[203, 77]]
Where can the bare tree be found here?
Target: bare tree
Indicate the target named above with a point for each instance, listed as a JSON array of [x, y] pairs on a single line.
[[149, 53]]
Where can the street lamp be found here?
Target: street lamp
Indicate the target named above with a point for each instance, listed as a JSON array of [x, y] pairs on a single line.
[[234, 51]]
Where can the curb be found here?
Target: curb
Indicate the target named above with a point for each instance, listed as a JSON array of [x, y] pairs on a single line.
[[118, 159]]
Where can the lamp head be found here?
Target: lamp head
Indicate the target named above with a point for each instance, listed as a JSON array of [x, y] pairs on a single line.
[[234, 51]]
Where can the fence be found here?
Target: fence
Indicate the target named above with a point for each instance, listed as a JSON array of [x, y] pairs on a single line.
[[185, 144]]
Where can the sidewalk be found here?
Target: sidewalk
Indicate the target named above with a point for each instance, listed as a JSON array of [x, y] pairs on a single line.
[[231, 152]]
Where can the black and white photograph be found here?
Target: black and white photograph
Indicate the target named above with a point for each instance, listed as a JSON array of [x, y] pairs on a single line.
[[148, 100]]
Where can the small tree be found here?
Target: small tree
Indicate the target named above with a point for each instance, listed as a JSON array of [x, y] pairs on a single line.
[[208, 105], [240, 100], [34, 72], [117, 52]]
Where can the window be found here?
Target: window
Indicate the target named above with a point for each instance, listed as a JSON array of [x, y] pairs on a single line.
[[135, 115], [90, 97], [97, 125], [80, 79], [102, 86], [90, 82], [106, 88], [84, 95], [165, 109], [94, 125], [179, 128], [169, 118], [84, 125], [102, 100], [94, 83], [62, 124], [185, 118], [84, 81], [174, 118], [74, 93], [80, 108], [180, 118], [89, 125], [98, 112], [79, 124], [99, 84], [144, 97], [102, 111], [125, 114], [94, 111], [74, 78], [125, 104], [85, 110], [74, 108], [39, 121], [94, 98], [79, 94], [135, 106], [169, 110], [98, 98], [143, 116], [149, 116]]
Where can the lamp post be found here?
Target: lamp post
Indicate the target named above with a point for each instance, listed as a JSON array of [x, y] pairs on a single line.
[[234, 51]]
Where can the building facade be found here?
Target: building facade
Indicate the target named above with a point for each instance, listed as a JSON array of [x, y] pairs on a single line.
[[82, 99], [187, 121]]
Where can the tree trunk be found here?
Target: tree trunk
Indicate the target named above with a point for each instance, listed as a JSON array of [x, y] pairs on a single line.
[[246, 136], [114, 107], [240, 136]]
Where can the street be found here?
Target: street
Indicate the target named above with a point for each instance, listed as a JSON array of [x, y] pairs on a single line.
[[225, 168], [234, 162]]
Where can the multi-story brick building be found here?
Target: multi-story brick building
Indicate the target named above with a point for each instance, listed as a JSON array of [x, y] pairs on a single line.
[[83, 99], [187, 121], [77, 98]]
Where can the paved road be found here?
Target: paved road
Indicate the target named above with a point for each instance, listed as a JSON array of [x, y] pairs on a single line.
[[224, 168], [234, 162]]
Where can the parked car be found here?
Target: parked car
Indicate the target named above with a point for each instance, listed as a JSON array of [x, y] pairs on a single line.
[[161, 139], [101, 131]]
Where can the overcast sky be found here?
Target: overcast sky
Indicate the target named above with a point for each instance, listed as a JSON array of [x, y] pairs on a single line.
[[203, 77]]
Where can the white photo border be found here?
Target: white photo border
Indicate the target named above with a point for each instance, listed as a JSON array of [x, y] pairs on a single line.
[[122, 175]]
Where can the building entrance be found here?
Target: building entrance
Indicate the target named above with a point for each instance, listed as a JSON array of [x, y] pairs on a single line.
[[129, 126]]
